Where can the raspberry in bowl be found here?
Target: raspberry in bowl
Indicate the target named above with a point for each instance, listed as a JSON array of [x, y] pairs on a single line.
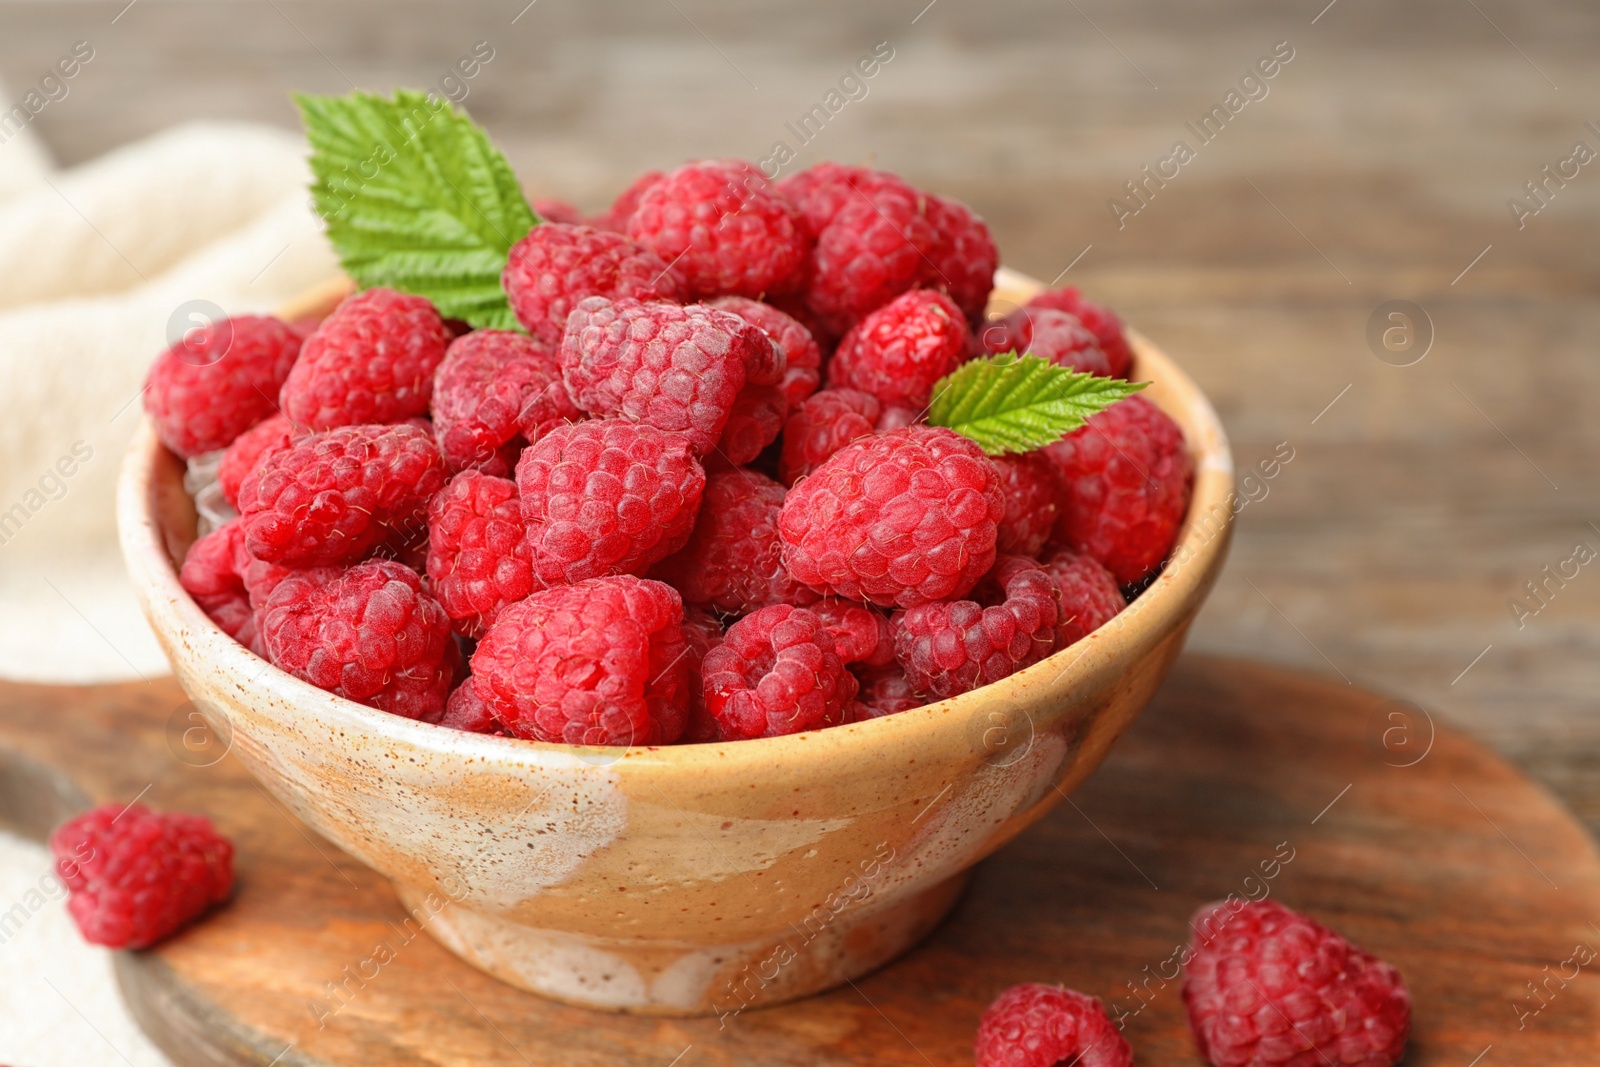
[[703, 761]]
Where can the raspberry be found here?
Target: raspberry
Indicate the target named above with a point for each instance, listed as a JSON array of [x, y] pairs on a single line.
[[552, 210], [754, 422], [964, 258], [1269, 986], [899, 351], [607, 496], [956, 646], [733, 561], [775, 673], [675, 368], [244, 456], [860, 634], [898, 519], [466, 711], [1089, 596], [369, 633], [701, 633], [1127, 478], [825, 423], [723, 229], [802, 356], [1031, 484], [1099, 320], [209, 576], [601, 662], [884, 691], [493, 386], [137, 876], [479, 559], [1049, 334], [557, 265], [371, 361], [1037, 1025], [615, 218], [332, 497], [218, 381]]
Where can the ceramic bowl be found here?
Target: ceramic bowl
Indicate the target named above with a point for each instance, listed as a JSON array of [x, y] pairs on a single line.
[[696, 879]]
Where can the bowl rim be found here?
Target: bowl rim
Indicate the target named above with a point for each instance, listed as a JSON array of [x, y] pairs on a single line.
[[1192, 566]]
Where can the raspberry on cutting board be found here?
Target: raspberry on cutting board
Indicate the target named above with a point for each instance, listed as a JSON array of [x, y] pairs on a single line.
[[137, 876], [219, 381], [1036, 1025]]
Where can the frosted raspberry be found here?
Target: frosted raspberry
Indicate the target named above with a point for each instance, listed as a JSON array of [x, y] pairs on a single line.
[[1100, 321], [723, 229], [369, 633], [332, 497], [241, 458], [756, 420], [1049, 334], [466, 711], [607, 496], [1089, 595], [553, 210], [963, 259], [1268, 986], [496, 389], [674, 368], [1032, 487], [615, 218], [956, 646], [898, 519], [825, 423], [1127, 477], [733, 561], [861, 635], [601, 662], [701, 633], [218, 381], [1046, 1026], [479, 559], [884, 691], [553, 268], [802, 370], [775, 673], [370, 361], [137, 876], [210, 576], [899, 351]]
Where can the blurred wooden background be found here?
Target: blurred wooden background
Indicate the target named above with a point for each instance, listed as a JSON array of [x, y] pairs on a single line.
[[1377, 168]]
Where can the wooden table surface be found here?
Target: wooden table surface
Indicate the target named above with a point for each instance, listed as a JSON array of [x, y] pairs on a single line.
[[1377, 167]]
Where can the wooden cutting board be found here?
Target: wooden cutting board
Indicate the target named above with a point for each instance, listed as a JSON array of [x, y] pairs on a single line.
[[1412, 840]]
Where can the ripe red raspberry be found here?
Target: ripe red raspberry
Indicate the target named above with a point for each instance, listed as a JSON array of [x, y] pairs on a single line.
[[755, 422], [963, 260], [137, 876], [1100, 321], [861, 635], [371, 361], [244, 456], [1037, 1025], [466, 711], [607, 496], [615, 218], [553, 268], [898, 519], [1031, 483], [551, 210], [210, 576], [369, 633], [956, 646], [601, 662], [802, 356], [675, 368], [775, 673], [1127, 476], [825, 423], [1269, 986], [495, 389], [479, 559], [1090, 597], [701, 633], [884, 691], [332, 497], [1053, 335], [219, 381], [899, 351], [723, 229], [733, 561]]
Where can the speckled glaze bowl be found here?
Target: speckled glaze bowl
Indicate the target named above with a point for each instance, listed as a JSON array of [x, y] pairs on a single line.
[[697, 879]]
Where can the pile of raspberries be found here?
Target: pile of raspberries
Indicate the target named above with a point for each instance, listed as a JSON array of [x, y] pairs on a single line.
[[697, 500]]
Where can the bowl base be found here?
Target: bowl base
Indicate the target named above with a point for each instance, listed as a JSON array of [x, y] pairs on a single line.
[[640, 976]]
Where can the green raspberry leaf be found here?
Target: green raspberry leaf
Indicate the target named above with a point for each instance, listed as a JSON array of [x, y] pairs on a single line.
[[417, 199], [1010, 403]]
